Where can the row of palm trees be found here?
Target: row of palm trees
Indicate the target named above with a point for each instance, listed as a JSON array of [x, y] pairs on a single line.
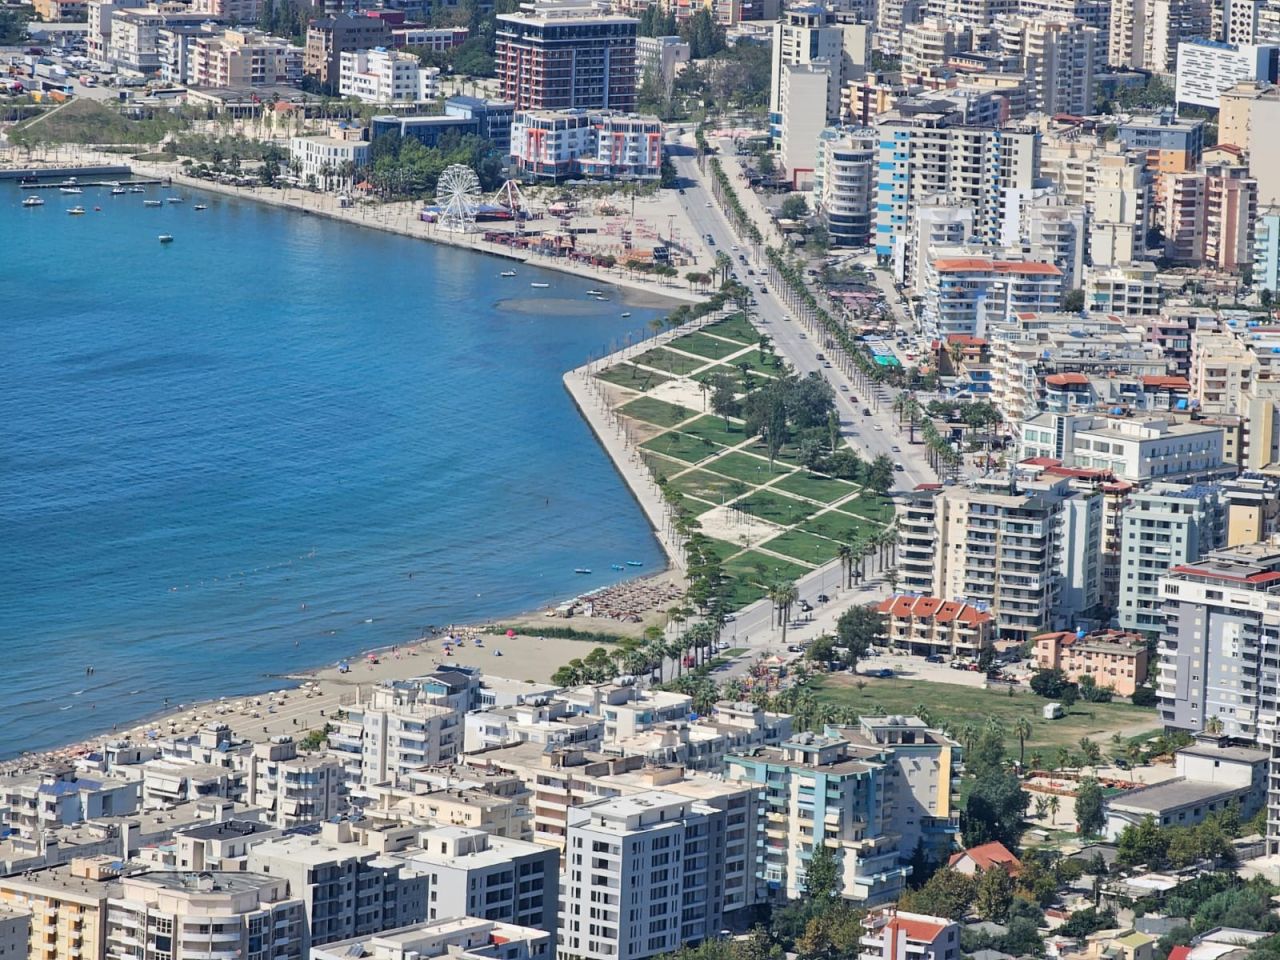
[[723, 189], [880, 547]]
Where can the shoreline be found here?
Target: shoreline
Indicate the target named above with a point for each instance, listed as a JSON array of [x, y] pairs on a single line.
[[338, 687]]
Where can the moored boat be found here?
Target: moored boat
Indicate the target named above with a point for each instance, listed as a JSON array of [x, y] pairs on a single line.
[[33, 202], [540, 286], [71, 190], [582, 570], [200, 206], [166, 238], [76, 211], [152, 203], [117, 191], [507, 273]]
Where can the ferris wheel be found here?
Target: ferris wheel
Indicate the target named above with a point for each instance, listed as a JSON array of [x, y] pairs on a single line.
[[457, 195]]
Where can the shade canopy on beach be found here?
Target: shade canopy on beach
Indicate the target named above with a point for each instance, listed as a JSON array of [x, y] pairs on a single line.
[[511, 634]]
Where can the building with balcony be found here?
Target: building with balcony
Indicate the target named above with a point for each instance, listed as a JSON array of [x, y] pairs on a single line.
[[644, 876], [45, 801], [1163, 526], [1059, 57], [923, 625], [1207, 68], [965, 293], [1128, 290], [386, 76], [844, 184], [893, 934], [555, 144], [567, 55], [293, 789], [1112, 659], [242, 58], [471, 873], [345, 888], [816, 790], [457, 938], [402, 726], [67, 905], [205, 916], [329, 37]]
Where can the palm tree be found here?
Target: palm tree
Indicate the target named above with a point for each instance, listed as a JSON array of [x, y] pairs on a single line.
[[891, 579], [1054, 803], [1064, 757], [1042, 807], [783, 595], [1022, 730], [845, 553], [1037, 759]]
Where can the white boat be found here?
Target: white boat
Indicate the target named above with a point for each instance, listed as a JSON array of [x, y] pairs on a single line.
[[76, 211], [605, 299], [33, 202], [540, 286], [152, 203], [625, 315], [175, 199], [507, 273], [166, 238], [595, 293], [117, 191], [137, 189], [200, 206], [71, 190]]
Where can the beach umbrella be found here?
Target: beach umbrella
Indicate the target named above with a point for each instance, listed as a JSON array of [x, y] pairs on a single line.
[[511, 633]]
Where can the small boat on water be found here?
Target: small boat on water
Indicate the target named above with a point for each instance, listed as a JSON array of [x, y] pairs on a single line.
[[507, 273], [176, 199], [582, 570], [33, 202], [152, 203], [603, 299], [166, 238], [137, 189], [117, 191], [200, 206], [71, 190], [635, 563], [76, 211], [540, 286], [595, 293], [615, 566], [625, 315]]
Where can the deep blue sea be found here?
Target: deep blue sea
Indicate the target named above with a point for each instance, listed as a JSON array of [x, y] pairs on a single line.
[[222, 458]]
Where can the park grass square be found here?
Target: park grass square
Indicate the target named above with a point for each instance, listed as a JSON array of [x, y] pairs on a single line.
[[669, 362], [652, 410], [841, 527], [747, 468], [661, 467], [777, 508], [722, 548], [632, 377], [870, 507], [708, 486], [736, 327], [802, 546], [790, 453], [681, 446], [815, 486], [757, 366], [713, 428], [712, 348], [754, 567]]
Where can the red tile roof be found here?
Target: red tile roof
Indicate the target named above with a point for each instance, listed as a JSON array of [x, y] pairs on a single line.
[[943, 611], [922, 931], [1067, 380], [1042, 462], [987, 265], [1169, 383], [989, 855]]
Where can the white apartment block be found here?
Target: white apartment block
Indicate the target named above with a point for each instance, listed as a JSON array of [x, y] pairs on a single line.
[[293, 789], [1144, 34], [1163, 526], [242, 58], [327, 156], [802, 116], [386, 76], [471, 873], [1059, 58], [458, 938], [964, 293], [1208, 68], [644, 875], [844, 184], [188, 915], [807, 35], [553, 144], [1145, 449], [1124, 290], [399, 729], [896, 935]]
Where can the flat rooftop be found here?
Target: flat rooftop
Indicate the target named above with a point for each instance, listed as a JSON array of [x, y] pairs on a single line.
[[1171, 795]]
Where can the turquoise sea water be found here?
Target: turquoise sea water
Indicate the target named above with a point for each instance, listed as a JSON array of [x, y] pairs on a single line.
[[223, 457]]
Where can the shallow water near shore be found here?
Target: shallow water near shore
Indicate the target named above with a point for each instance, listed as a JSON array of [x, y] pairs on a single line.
[[272, 443]]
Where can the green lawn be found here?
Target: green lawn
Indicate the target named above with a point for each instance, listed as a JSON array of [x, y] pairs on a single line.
[[661, 467], [964, 704], [839, 526], [711, 427], [736, 327], [788, 454], [752, 359], [670, 362], [816, 486], [630, 376], [722, 548], [660, 412], [777, 508], [745, 467], [802, 546], [681, 446], [764, 569], [708, 486], [870, 507], [713, 348]]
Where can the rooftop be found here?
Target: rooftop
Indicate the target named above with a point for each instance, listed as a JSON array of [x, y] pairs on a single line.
[[1170, 795]]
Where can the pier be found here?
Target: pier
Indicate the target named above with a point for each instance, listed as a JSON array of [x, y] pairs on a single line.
[[48, 173], [58, 184]]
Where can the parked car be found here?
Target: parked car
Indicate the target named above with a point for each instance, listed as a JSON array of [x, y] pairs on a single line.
[[884, 673], [934, 658]]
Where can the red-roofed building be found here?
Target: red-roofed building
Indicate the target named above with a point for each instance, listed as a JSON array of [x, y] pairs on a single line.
[[1112, 658], [928, 625], [962, 294], [984, 857], [893, 934]]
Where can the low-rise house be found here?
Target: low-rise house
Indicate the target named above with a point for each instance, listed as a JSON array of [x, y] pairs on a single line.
[[923, 625], [893, 934], [984, 857], [1112, 658]]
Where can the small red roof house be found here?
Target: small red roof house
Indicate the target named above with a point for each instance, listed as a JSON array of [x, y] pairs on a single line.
[[984, 857]]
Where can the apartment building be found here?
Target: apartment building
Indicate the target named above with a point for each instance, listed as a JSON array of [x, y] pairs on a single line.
[[1208, 68], [134, 37], [1164, 526], [894, 934], [560, 56], [804, 89], [59, 797], [1055, 231], [475, 798], [1218, 652], [67, 905], [816, 790], [329, 37], [1058, 57], [1208, 216], [806, 35], [294, 789], [1144, 34], [402, 726], [1253, 507], [660, 57], [844, 184], [1150, 448], [929, 154], [457, 938], [1171, 145], [1111, 658], [242, 58], [644, 876], [964, 293], [471, 873], [924, 625], [1128, 290], [552, 145], [247, 915], [345, 889], [386, 76], [1029, 550]]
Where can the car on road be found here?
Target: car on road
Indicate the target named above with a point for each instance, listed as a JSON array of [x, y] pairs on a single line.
[[899, 468], [866, 411], [934, 658], [823, 598], [803, 337], [711, 241], [792, 648], [896, 449], [733, 247], [879, 428], [729, 618], [845, 388], [806, 606], [682, 191], [884, 673], [707, 204]]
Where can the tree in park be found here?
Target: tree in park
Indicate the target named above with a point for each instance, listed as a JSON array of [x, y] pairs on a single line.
[[1022, 730], [1089, 807], [993, 895], [858, 629], [997, 803], [948, 893], [880, 474], [724, 398], [783, 595]]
